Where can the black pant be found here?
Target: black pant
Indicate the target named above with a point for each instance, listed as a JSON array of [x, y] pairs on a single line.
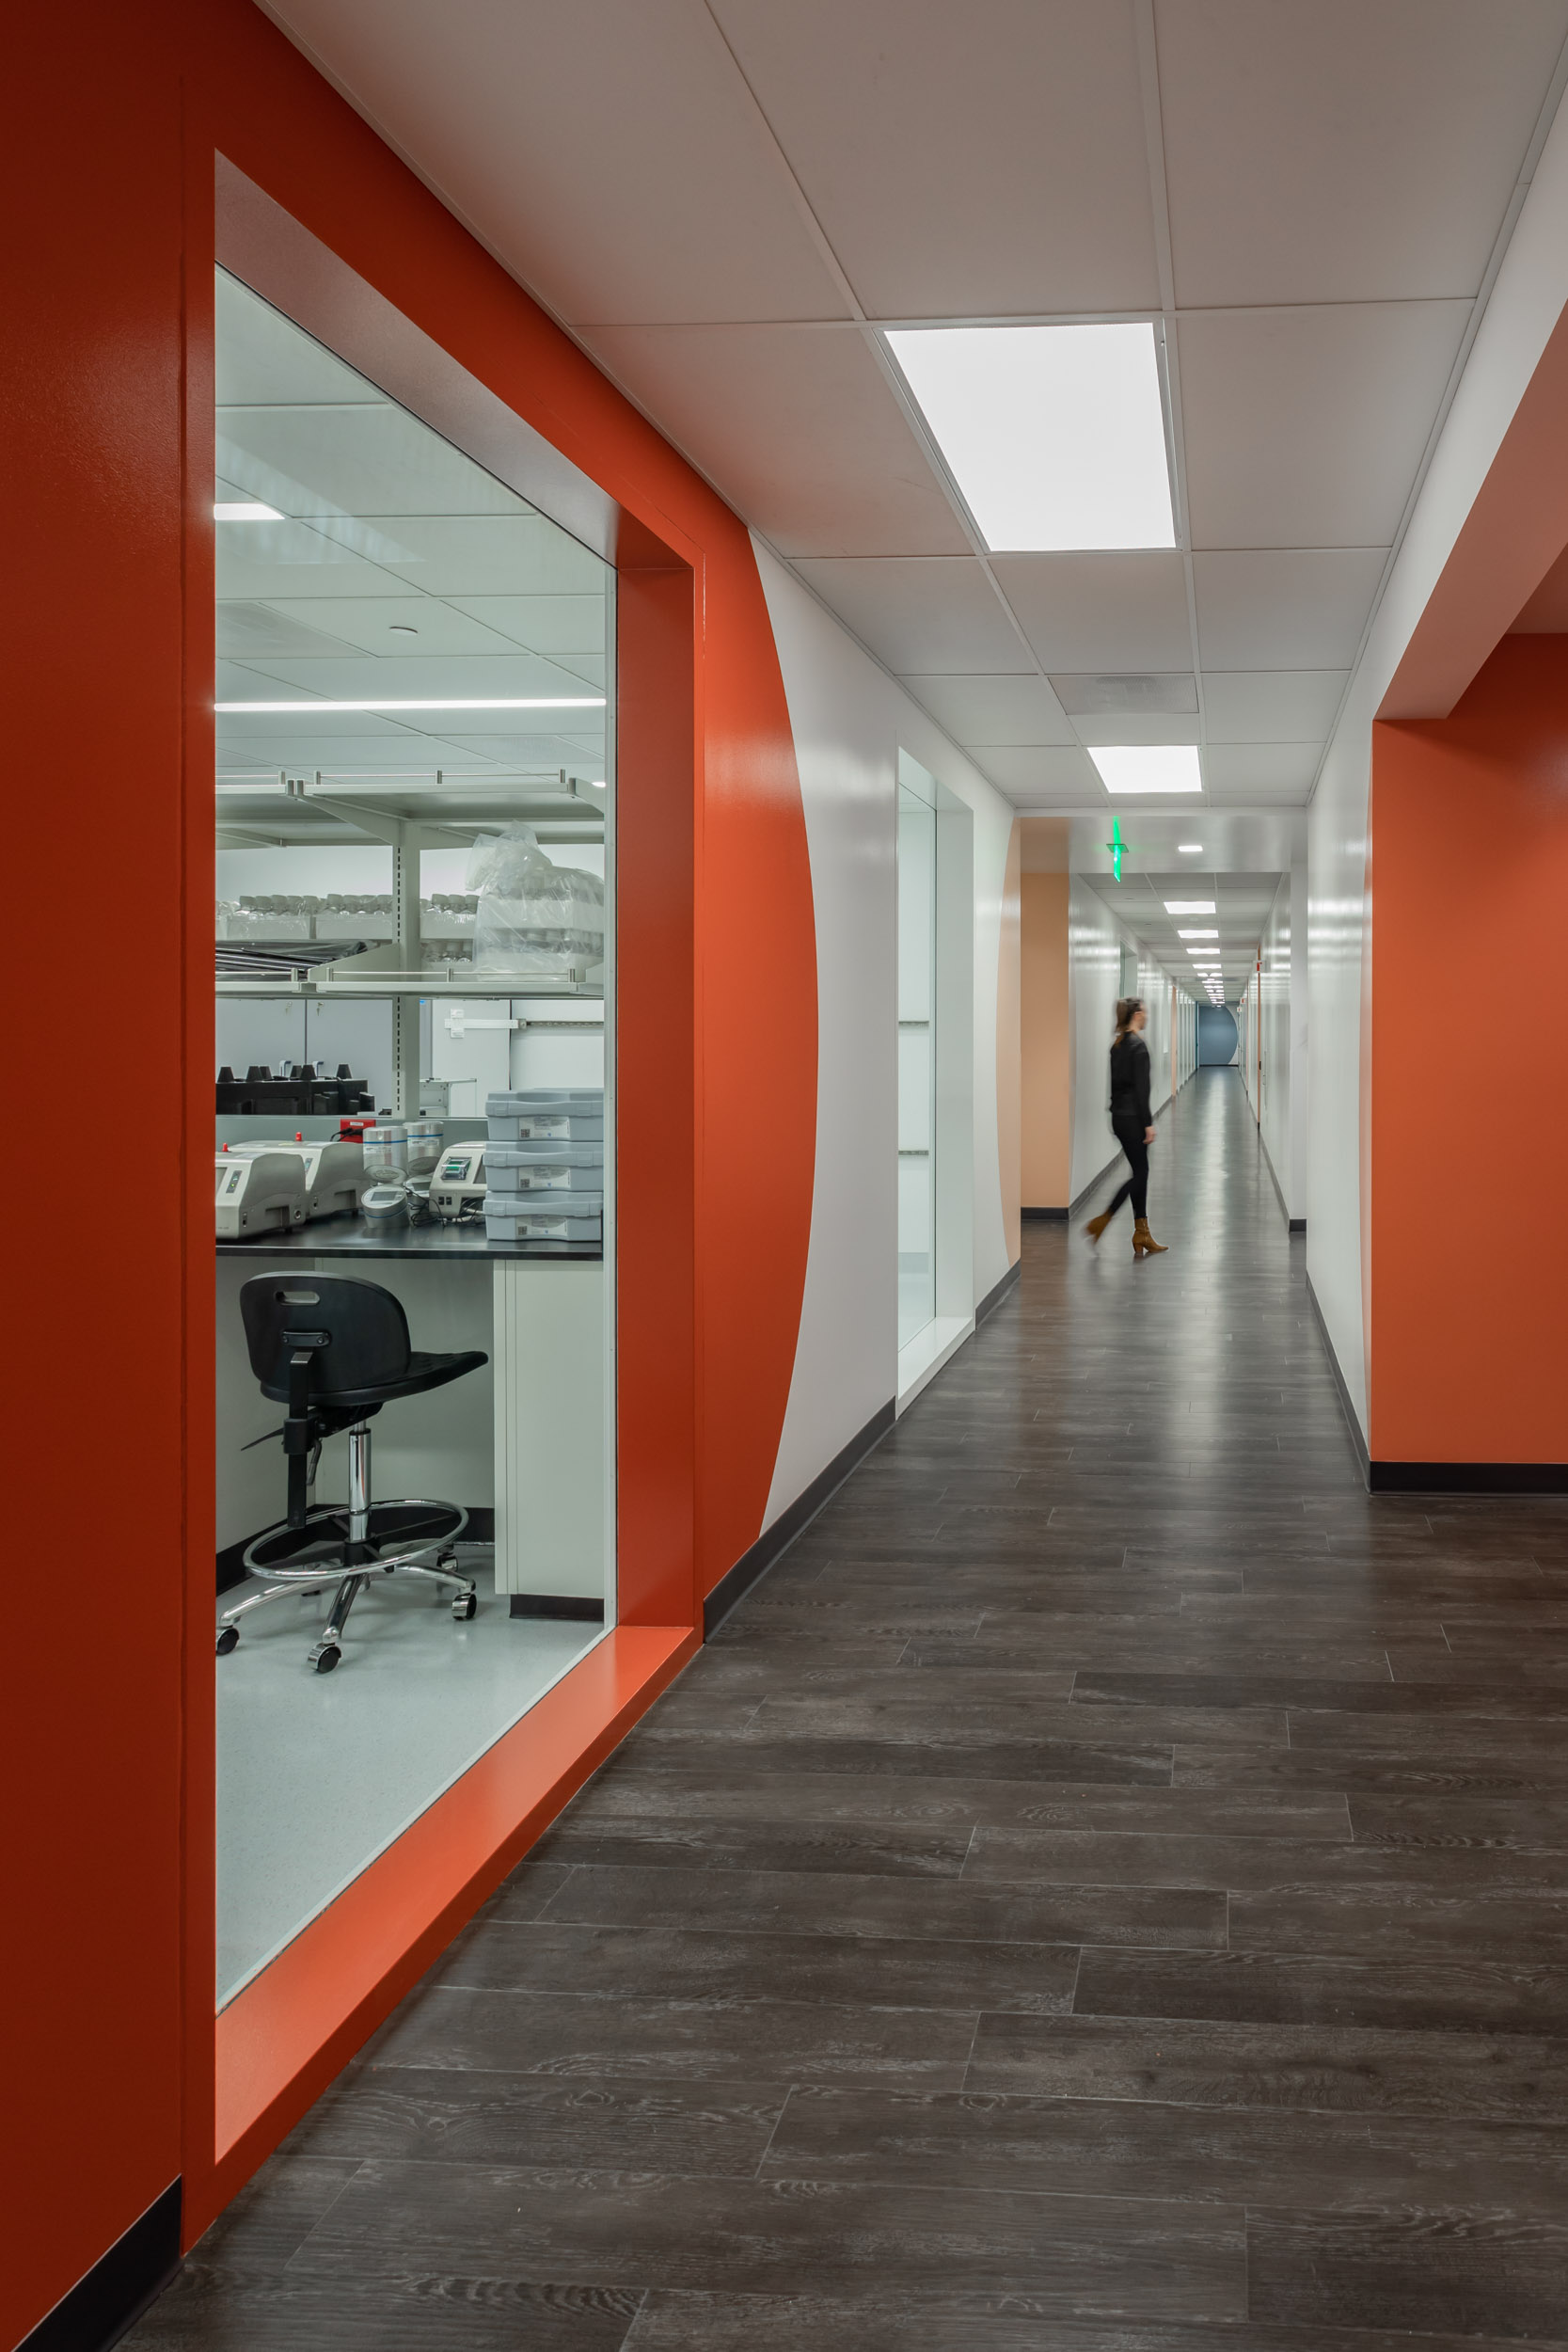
[[1130, 1137]]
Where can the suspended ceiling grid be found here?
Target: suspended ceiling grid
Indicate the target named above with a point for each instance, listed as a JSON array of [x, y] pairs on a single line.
[[726, 202]]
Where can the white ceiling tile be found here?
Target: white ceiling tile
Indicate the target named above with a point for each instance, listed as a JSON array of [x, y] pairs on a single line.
[[1119, 611], [1027, 771], [608, 153], [473, 555], [1260, 768], [376, 624], [1271, 706], [964, 161], [294, 560], [408, 676], [1345, 150], [800, 430], [558, 625], [1302, 609], [935, 614], [1303, 428], [981, 710], [1143, 693]]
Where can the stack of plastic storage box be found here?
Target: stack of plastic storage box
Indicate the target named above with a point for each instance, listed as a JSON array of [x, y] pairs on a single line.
[[544, 1165]]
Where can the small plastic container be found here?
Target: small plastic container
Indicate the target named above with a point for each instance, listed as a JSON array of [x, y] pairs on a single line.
[[424, 1145], [546, 1115], [386, 1151], [522, 1216], [533, 1167]]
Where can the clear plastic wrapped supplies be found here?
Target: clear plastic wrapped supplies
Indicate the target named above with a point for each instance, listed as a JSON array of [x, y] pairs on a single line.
[[532, 915]]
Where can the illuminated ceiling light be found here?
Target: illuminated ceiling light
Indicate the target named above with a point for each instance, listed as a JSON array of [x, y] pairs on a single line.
[[1200, 934], [1189, 906], [1189, 849], [1055, 435], [1148, 767], [244, 511], [537, 701]]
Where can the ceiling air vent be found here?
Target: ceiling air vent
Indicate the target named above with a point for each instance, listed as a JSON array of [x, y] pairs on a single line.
[[1086, 694]]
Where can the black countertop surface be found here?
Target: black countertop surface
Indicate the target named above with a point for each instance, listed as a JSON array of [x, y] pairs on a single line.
[[351, 1237]]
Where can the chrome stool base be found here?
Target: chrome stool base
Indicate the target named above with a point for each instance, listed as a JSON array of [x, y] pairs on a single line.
[[354, 1559]]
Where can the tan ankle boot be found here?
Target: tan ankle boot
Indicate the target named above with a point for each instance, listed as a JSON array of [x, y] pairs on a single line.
[[1097, 1225], [1143, 1243]]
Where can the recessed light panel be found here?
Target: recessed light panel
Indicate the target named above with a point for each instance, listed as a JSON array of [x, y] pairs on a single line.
[[1189, 906], [1189, 849], [1197, 934], [1054, 435], [1148, 767]]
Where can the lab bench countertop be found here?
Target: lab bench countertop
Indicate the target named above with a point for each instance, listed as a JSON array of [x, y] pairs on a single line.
[[351, 1237]]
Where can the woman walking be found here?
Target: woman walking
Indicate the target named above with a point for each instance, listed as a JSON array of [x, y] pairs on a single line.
[[1134, 1122]]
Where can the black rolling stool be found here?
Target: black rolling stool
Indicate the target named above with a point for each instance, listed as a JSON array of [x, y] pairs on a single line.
[[334, 1350]]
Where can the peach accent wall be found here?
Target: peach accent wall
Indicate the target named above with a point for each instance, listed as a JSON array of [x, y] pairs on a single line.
[[1468, 1126], [1010, 1047], [1045, 1034]]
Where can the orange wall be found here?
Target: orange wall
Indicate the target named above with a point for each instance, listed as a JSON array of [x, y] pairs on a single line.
[[107, 421], [1047, 1108], [1468, 1110], [1009, 1046]]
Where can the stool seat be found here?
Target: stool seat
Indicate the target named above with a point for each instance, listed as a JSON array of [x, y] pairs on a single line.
[[423, 1371]]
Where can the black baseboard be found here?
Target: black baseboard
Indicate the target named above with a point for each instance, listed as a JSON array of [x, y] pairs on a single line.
[[1058, 1216], [998, 1290], [102, 2306], [771, 1546], [1469, 1478], [479, 1529], [559, 1605], [1339, 1389]]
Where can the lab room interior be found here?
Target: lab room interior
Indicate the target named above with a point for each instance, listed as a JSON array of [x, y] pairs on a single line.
[[414, 842]]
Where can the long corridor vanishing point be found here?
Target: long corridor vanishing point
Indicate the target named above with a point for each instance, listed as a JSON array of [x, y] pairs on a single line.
[[1105, 1891]]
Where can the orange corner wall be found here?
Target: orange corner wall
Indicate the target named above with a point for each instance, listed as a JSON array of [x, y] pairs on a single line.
[[105, 409], [1468, 1113], [1046, 1042]]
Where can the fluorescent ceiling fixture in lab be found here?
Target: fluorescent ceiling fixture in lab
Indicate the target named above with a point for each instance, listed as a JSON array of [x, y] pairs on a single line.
[[1189, 849], [1189, 906], [1198, 934], [244, 511], [1054, 435], [1148, 767], [543, 702]]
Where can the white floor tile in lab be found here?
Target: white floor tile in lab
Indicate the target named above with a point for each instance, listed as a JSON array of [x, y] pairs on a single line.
[[317, 1773]]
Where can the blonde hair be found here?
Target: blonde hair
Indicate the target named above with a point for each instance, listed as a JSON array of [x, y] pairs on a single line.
[[1126, 1007]]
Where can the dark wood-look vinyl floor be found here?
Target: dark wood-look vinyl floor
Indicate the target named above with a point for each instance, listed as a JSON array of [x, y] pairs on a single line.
[[1105, 1891]]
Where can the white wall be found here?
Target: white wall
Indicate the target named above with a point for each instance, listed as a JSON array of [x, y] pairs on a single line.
[[851, 719], [1526, 304], [1276, 1007], [1094, 982]]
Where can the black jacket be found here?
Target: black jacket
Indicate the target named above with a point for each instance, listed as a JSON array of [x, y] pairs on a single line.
[[1130, 1080]]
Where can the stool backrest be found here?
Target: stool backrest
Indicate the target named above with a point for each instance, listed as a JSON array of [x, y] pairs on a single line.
[[366, 1331]]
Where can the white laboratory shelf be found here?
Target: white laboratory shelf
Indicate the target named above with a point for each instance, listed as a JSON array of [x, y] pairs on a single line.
[[449, 979]]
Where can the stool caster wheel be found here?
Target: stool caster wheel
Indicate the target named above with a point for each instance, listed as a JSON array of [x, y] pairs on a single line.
[[229, 1639], [326, 1658], [465, 1607]]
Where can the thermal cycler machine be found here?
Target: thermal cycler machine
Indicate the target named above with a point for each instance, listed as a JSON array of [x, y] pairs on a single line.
[[287, 1185]]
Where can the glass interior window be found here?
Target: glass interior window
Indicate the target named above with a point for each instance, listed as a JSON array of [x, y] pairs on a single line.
[[917, 1063], [415, 1092]]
